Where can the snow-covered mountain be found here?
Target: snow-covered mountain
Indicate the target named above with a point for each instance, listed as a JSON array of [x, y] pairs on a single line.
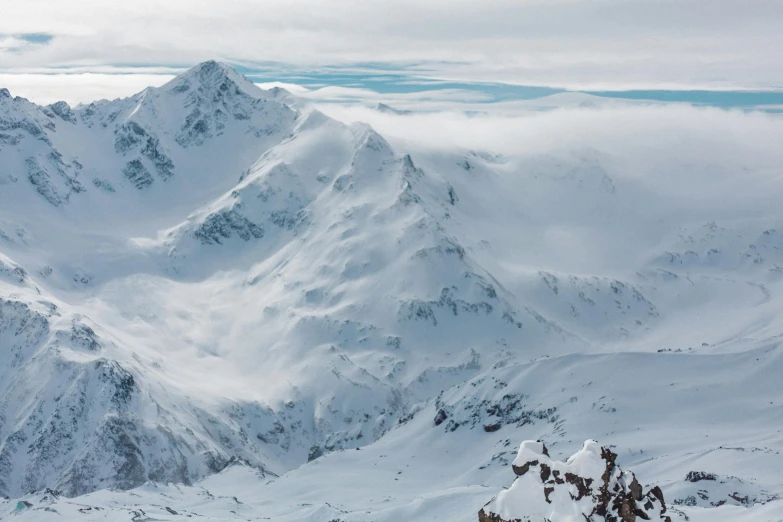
[[214, 285]]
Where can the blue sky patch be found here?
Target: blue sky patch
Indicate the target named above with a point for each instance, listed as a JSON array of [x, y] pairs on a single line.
[[385, 80], [36, 38]]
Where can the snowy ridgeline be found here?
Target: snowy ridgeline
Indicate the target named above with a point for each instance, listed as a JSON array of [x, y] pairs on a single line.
[[212, 282]]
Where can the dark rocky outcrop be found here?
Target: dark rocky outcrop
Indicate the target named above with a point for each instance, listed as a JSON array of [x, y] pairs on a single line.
[[589, 485], [221, 226]]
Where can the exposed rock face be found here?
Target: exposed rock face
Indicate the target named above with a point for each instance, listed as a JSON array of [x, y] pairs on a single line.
[[705, 489], [130, 137], [223, 225], [138, 174], [214, 94], [63, 110], [588, 486]]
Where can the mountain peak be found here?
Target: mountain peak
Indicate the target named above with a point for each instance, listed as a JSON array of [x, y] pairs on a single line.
[[382, 107], [210, 75], [211, 69]]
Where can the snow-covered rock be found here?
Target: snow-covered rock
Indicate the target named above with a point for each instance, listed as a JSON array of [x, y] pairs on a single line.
[[588, 486]]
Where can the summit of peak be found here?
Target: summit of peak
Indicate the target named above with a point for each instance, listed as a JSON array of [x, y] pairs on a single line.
[[211, 75], [211, 68]]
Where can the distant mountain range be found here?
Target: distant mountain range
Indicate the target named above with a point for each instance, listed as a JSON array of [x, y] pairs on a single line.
[[219, 286]]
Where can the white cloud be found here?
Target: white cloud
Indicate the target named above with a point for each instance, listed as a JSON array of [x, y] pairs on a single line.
[[290, 87], [78, 88], [45, 86], [724, 139], [573, 43], [348, 94], [12, 44]]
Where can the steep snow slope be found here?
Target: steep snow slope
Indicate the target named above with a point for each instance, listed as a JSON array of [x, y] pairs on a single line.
[[430, 470], [342, 350], [208, 274], [130, 166]]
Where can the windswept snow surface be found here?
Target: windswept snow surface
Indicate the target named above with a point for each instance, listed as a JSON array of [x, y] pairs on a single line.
[[216, 300]]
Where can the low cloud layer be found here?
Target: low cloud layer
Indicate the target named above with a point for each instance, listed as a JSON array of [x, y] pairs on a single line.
[[726, 137], [76, 88]]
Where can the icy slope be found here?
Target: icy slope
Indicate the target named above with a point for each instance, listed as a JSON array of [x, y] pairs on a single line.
[[251, 282]]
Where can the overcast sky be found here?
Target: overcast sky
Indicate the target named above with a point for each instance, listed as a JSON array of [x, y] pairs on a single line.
[[576, 44]]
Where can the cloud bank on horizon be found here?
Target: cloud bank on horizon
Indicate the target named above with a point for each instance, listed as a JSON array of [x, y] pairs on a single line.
[[600, 45]]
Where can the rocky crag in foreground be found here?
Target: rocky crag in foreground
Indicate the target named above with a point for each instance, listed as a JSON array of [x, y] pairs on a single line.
[[589, 486]]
